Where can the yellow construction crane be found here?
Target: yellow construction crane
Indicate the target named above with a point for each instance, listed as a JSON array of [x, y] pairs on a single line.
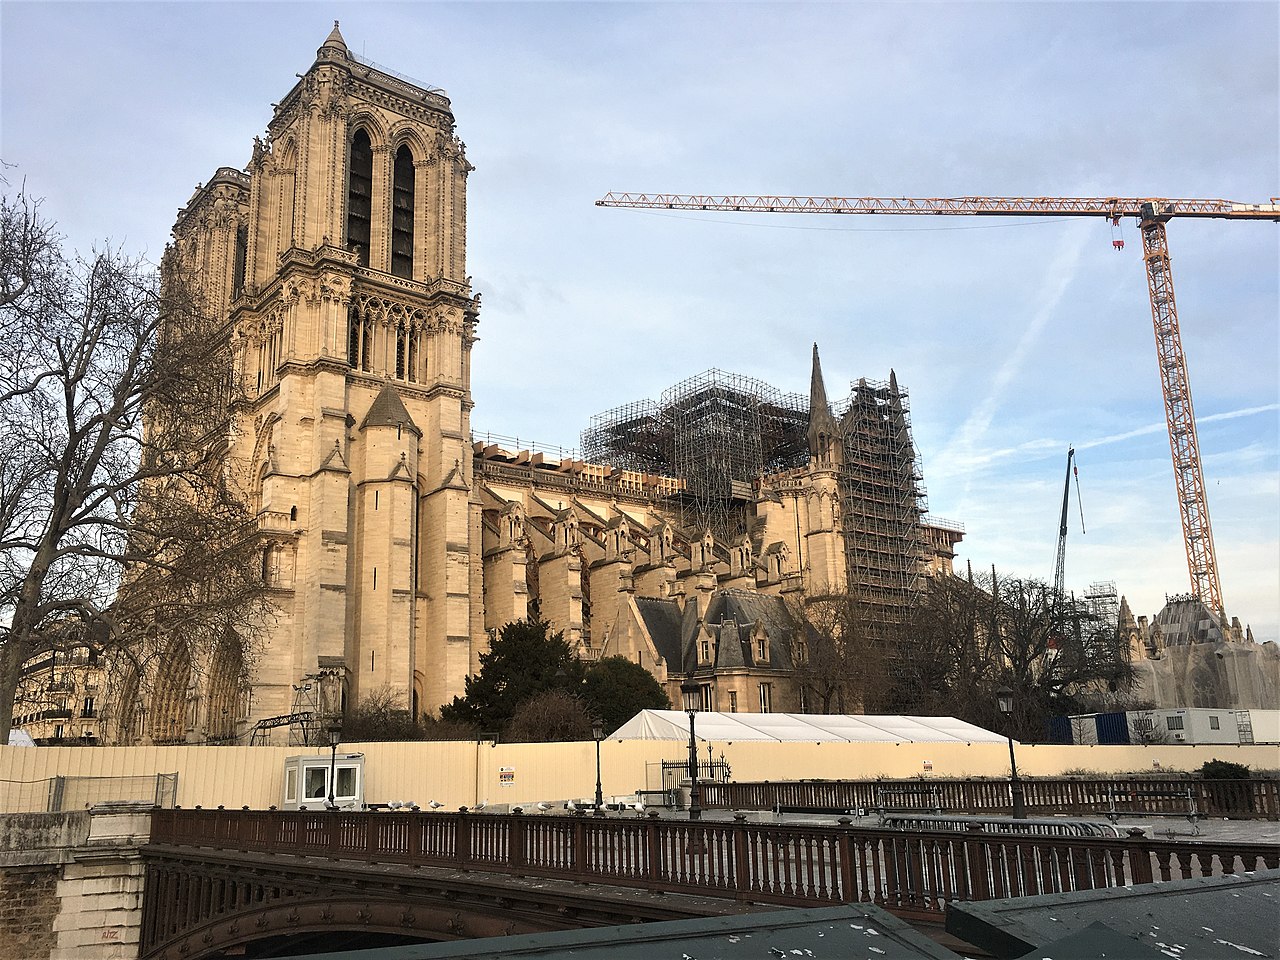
[[1151, 214]]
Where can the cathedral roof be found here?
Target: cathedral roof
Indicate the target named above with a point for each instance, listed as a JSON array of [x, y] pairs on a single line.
[[747, 609], [662, 619], [388, 410]]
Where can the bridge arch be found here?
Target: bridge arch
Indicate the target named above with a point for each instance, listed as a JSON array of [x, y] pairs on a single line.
[[198, 909], [335, 916]]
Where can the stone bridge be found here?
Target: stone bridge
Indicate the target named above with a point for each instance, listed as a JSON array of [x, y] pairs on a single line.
[[215, 879], [194, 884]]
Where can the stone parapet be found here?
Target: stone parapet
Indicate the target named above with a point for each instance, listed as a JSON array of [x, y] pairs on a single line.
[[100, 893]]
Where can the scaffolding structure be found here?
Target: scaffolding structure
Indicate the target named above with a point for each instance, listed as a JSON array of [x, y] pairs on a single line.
[[1102, 603], [719, 432], [716, 431], [882, 502]]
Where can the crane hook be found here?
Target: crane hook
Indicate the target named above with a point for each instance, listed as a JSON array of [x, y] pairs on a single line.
[[1116, 241]]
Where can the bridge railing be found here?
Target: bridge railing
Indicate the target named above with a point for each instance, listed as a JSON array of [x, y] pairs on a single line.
[[912, 874], [1257, 797]]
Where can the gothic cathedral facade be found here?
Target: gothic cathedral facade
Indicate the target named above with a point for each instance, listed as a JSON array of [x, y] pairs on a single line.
[[394, 546]]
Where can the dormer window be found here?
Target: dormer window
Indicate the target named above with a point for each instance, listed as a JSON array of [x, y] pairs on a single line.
[[762, 650]]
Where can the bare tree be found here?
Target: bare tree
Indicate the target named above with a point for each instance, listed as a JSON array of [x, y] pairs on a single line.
[[946, 659], [1056, 656], [839, 666], [969, 636], [119, 521], [548, 717]]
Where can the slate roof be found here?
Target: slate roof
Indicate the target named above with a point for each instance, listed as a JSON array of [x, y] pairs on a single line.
[[388, 410], [662, 619], [748, 609]]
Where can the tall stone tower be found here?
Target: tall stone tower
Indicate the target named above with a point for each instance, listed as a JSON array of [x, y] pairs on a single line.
[[339, 260]]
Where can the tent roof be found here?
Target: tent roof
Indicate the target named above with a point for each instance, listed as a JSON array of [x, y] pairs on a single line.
[[801, 727]]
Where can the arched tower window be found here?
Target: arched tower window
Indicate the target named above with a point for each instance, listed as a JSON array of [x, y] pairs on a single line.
[[240, 260], [402, 215], [359, 195], [353, 337]]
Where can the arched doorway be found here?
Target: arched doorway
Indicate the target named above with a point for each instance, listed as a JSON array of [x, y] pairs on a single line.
[[168, 721]]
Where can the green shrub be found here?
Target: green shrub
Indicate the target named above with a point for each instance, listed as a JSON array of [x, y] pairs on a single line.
[[1224, 770]]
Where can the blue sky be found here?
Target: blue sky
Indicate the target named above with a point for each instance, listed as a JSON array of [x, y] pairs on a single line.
[[1015, 338]]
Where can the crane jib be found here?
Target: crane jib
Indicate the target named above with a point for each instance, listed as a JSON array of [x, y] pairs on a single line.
[[1112, 207], [1152, 213]]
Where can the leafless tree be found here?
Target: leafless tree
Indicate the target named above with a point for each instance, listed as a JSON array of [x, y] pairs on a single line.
[[381, 716], [969, 636], [549, 717], [945, 662], [838, 664], [119, 521]]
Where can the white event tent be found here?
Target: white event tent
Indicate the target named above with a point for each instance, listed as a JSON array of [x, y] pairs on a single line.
[[802, 727]]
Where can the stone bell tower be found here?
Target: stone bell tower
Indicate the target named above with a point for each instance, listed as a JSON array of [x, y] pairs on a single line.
[[342, 267]]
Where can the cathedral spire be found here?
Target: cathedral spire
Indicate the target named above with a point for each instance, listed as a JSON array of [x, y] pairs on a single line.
[[334, 41], [822, 426]]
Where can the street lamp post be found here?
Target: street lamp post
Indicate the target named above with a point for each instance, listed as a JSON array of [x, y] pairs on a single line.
[[692, 693], [597, 731], [1004, 698], [335, 737]]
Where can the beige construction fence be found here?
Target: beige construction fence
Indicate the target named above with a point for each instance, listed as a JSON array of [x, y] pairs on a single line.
[[463, 773]]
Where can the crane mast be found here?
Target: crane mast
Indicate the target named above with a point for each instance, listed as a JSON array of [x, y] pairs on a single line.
[[1152, 214], [1060, 561]]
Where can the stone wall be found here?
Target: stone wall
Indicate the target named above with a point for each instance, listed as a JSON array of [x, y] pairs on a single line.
[[33, 849], [28, 906], [71, 883]]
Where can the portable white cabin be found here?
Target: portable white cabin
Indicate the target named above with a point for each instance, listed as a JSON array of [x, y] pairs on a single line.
[[306, 781]]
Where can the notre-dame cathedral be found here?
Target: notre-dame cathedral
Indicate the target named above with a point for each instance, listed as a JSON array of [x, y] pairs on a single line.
[[395, 545]]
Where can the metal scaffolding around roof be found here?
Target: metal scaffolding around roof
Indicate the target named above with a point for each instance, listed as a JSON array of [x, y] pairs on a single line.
[[717, 432]]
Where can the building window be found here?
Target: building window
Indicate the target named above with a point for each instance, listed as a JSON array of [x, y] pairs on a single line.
[[86, 709], [733, 701], [1213, 723], [766, 698], [762, 650], [353, 337], [402, 215], [706, 651], [238, 264], [708, 701], [359, 340], [359, 196], [314, 783], [801, 650], [1173, 723]]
